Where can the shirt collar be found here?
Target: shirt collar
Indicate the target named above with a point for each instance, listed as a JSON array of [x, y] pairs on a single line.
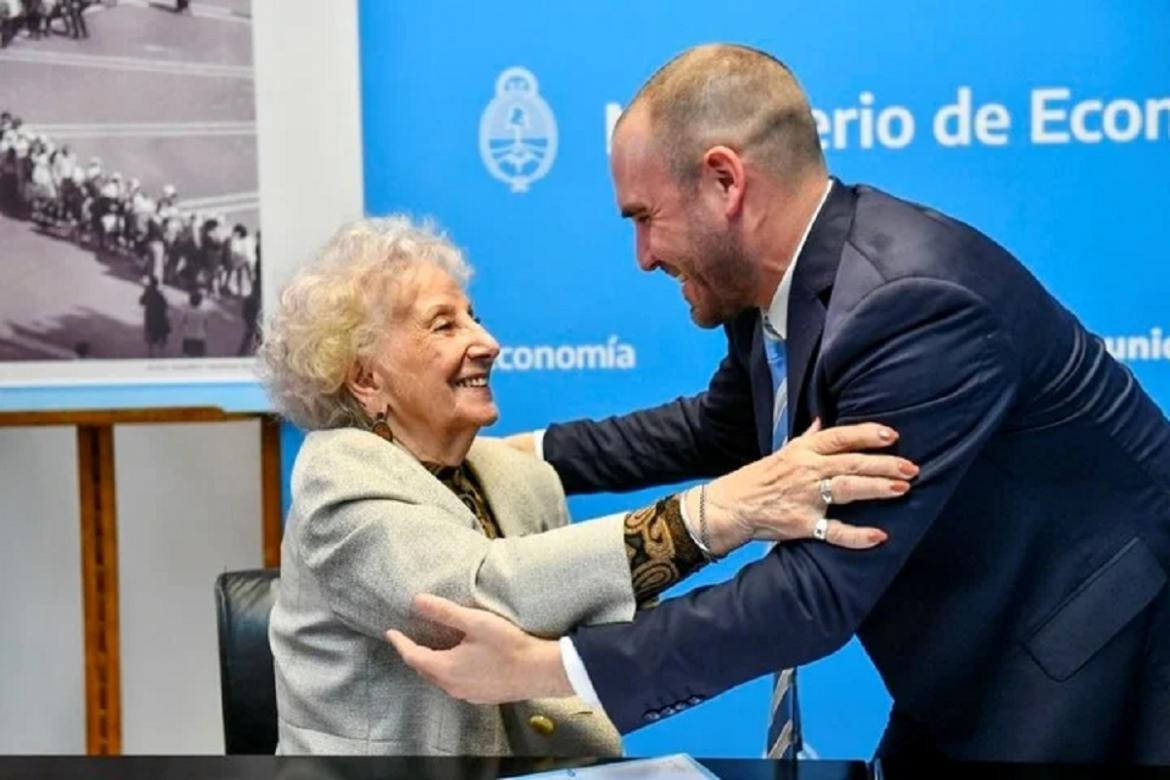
[[775, 317]]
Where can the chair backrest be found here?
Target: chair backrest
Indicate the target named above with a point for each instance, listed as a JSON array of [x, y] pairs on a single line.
[[243, 601]]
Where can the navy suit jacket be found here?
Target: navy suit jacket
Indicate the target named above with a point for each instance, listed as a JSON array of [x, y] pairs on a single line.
[[1019, 609]]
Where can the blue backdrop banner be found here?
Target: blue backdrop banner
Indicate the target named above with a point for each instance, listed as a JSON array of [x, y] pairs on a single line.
[[1046, 125]]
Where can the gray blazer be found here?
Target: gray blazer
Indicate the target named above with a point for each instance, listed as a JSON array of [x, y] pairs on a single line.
[[369, 528]]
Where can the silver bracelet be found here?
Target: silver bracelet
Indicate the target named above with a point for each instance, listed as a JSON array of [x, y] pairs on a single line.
[[704, 536]]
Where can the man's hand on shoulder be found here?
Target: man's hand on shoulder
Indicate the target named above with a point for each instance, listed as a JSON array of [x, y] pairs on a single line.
[[525, 442]]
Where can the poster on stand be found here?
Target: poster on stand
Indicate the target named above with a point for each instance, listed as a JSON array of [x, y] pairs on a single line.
[[130, 242]]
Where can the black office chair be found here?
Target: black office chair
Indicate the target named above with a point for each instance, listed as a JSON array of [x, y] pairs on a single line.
[[243, 600]]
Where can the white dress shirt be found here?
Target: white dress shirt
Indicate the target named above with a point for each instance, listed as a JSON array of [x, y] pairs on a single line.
[[775, 322]]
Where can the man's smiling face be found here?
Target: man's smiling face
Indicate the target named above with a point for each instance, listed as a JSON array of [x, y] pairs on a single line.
[[675, 231]]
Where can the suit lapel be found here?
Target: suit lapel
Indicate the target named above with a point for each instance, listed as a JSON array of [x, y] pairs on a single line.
[[806, 318], [436, 492], [812, 283], [514, 510], [509, 509], [761, 379]]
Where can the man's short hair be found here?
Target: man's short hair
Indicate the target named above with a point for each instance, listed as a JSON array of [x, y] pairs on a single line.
[[733, 95]]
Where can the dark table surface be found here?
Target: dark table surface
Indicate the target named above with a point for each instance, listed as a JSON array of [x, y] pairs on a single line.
[[452, 768]]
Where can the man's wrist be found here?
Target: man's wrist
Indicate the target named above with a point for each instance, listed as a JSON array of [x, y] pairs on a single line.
[[549, 670], [576, 674]]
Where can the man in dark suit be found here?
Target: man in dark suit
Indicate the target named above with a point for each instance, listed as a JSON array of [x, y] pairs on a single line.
[[1019, 610]]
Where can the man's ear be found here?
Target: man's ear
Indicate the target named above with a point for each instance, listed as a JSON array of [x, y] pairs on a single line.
[[723, 176], [363, 384]]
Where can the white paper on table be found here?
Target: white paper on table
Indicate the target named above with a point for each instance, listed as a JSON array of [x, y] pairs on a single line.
[[676, 767]]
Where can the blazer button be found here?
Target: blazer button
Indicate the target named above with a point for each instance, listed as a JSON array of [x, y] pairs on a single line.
[[652, 716], [542, 725], [695, 700]]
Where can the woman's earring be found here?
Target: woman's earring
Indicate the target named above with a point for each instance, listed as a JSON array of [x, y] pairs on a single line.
[[380, 427]]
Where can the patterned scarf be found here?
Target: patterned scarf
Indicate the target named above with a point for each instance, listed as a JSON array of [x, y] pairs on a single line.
[[460, 481]]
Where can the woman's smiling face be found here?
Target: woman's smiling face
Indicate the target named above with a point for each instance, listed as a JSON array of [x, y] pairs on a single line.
[[434, 363]]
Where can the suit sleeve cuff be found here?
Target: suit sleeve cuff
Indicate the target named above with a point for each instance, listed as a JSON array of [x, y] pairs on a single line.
[[538, 442], [578, 677]]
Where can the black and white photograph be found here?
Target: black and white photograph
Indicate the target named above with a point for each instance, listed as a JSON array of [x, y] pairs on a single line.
[[129, 205]]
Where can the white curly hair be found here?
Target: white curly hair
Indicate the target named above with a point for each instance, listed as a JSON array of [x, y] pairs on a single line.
[[334, 311]]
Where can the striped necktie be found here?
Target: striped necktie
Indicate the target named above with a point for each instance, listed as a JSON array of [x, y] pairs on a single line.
[[783, 716], [777, 355]]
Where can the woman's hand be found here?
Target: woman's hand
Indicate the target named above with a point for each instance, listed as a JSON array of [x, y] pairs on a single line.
[[782, 496]]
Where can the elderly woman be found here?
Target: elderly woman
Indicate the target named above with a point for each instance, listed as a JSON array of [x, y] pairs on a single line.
[[376, 350]]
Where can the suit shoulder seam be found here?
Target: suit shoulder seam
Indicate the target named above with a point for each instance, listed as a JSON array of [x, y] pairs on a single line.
[[982, 303]]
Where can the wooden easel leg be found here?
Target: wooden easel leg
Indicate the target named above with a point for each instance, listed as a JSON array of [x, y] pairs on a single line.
[[270, 488], [99, 577]]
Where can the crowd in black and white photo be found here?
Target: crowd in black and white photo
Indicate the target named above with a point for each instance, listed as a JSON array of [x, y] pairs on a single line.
[[42, 18], [113, 215]]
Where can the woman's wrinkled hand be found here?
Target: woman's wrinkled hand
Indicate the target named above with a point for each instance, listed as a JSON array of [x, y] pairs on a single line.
[[782, 496]]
